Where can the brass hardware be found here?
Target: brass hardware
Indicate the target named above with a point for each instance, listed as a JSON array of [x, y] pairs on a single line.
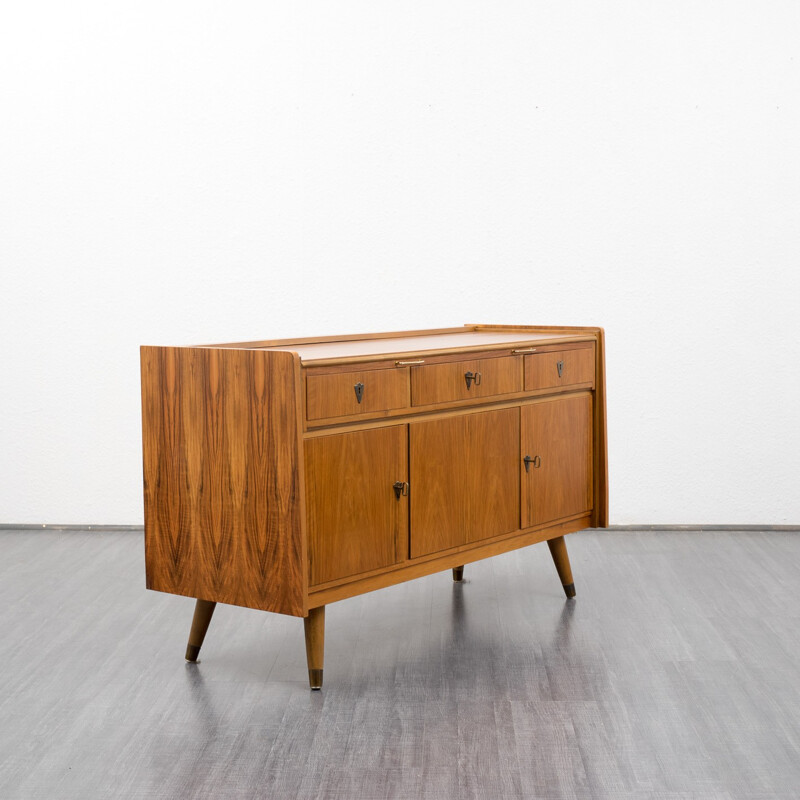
[[408, 363], [400, 488], [536, 461], [315, 679], [359, 389], [525, 350], [469, 377], [560, 367]]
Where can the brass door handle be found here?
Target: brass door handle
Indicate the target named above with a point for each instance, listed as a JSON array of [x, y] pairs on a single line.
[[536, 461], [400, 489]]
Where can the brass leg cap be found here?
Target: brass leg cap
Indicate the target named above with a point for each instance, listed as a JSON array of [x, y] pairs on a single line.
[[569, 590], [315, 678], [192, 652], [458, 573]]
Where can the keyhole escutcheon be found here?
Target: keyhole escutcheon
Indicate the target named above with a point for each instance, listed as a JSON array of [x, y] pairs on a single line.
[[472, 377], [536, 461], [400, 489]]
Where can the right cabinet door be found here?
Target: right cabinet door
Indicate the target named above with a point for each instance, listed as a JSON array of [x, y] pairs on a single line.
[[556, 470]]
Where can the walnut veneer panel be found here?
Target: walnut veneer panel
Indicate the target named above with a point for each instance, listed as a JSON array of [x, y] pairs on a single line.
[[222, 477], [542, 369], [334, 395], [558, 434], [440, 383], [356, 523], [464, 479]]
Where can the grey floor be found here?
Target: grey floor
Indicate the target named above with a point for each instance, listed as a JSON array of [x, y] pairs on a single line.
[[675, 674]]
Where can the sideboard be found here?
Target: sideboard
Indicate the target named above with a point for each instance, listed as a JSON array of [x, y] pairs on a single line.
[[284, 475]]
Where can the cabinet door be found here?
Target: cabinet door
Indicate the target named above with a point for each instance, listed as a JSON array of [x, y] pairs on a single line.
[[356, 522], [557, 436], [464, 479]]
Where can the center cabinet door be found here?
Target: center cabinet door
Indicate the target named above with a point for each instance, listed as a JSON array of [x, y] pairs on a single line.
[[356, 521], [464, 479]]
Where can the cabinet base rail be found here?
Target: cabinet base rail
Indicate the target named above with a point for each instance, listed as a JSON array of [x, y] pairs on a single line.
[[314, 623]]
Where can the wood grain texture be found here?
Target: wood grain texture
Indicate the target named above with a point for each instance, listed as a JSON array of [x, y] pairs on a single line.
[[559, 434], [465, 481], [558, 550], [334, 395], [441, 383], [222, 479], [314, 625], [439, 411], [203, 611], [356, 522], [541, 369]]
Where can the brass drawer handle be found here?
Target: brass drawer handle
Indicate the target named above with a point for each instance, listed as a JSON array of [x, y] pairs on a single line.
[[524, 350], [560, 368], [408, 363], [359, 390]]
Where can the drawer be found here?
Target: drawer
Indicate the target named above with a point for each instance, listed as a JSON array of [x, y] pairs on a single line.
[[465, 380], [559, 368], [343, 394]]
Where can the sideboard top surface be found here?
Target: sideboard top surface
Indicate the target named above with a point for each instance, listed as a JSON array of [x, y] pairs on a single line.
[[414, 342]]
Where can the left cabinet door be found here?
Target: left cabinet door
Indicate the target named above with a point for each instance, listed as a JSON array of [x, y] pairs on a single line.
[[356, 521]]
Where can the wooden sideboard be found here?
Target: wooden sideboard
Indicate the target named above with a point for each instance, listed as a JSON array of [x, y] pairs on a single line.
[[287, 474]]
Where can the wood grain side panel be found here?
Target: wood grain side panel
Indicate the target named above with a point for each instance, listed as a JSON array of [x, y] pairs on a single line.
[[356, 523], [440, 383], [558, 434], [222, 452], [334, 395]]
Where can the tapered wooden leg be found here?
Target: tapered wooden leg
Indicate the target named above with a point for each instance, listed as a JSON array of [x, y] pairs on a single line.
[[203, 612], [315, 645], [458, 573], [558, 549]]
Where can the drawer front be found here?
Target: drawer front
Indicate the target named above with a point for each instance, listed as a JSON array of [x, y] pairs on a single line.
[[559, 368], [343, 394], [465, 380]]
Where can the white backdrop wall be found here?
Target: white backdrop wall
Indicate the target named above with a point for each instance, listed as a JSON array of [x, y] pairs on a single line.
[[194, 172]]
